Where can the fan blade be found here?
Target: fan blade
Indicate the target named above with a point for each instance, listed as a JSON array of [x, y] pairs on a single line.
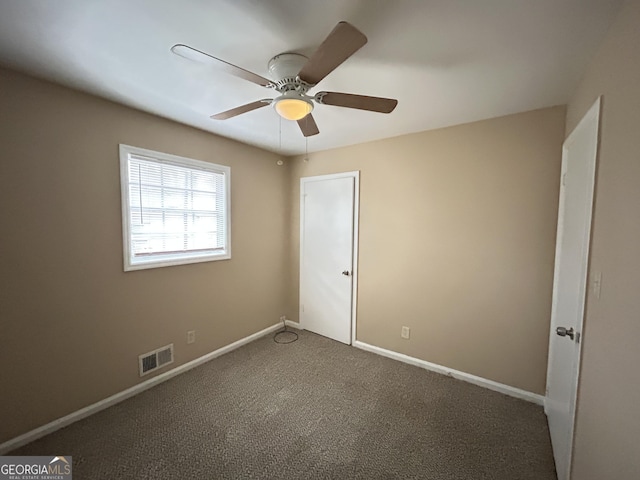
[[242, 109], [308, 126], [196, 55], [343, 41], [361, 102]]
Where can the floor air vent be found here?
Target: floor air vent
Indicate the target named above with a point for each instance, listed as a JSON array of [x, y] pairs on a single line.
[[151, 361]]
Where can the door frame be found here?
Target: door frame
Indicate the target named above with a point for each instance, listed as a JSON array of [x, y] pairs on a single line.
[[593, 114], [355, 225]]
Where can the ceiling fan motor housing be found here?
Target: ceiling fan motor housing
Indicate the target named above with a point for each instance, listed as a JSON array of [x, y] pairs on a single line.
[[284, 70]]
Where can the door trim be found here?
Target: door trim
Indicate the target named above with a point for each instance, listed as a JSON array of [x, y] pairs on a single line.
[[354, 267], [593, 114]]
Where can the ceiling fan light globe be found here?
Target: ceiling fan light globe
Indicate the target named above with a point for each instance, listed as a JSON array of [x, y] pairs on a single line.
[[293, 108]]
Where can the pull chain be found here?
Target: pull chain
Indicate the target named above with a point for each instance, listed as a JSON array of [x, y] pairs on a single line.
[[306, 149]]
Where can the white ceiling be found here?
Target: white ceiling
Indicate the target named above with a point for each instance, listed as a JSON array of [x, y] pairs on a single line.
[[446, 61]]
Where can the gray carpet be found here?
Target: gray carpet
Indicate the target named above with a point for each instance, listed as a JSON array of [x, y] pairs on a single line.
[[311, 409]]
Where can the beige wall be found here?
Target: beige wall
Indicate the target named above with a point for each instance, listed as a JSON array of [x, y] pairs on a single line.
[[608, 417], [72, 323], [457, 233], [457, 241]]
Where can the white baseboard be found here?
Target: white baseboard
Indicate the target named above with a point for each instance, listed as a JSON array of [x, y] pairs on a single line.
[[292, 324], [466, 377], [59, 423]]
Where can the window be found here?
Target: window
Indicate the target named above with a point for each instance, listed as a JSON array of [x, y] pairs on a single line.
[[174, 210]]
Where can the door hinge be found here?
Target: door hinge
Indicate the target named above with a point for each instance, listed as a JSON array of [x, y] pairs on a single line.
[[564, 179], [302, 308]]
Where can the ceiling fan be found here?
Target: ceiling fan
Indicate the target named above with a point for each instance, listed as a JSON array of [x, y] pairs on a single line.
[[294, 75]]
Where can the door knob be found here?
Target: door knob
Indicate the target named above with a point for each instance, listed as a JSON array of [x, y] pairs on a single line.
[[563, 332], [346, 273]]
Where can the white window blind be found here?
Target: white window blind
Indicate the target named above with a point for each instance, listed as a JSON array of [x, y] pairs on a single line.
[[176, 209]]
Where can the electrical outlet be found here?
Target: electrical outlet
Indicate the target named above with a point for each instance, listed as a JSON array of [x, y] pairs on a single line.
[[405, 332], [191, 336]]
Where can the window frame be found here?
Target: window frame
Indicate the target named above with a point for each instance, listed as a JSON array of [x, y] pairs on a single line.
[[169, 260]]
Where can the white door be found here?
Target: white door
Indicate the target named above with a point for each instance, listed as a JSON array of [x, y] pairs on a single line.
[[328, 217], [569, 286]]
